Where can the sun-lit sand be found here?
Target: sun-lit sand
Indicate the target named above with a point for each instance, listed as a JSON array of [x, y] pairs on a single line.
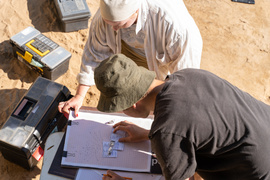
[[236, 39]]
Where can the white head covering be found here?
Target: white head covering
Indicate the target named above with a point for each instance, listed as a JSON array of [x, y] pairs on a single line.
[[118, 10]]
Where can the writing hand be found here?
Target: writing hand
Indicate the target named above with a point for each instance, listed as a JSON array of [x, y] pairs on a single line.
[[112, 176]]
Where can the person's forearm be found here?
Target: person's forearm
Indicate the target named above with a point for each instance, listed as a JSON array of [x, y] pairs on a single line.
[[82, 90]]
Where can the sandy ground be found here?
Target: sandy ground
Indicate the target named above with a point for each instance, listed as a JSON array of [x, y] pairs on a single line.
[[236, 40]]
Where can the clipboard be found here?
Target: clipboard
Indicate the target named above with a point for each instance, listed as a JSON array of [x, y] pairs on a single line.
[[86, 133]]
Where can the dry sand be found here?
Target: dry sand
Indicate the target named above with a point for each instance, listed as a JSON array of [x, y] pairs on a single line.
[[236, 40]]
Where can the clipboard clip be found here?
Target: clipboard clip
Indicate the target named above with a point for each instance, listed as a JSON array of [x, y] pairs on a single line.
[[110, 122]]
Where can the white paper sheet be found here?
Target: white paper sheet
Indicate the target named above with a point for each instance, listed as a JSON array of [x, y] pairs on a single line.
[[84, 173]]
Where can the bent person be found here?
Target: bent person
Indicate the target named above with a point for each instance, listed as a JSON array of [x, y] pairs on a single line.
[[202, 123]]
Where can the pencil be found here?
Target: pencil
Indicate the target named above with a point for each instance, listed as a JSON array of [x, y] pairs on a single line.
[[121, 176]]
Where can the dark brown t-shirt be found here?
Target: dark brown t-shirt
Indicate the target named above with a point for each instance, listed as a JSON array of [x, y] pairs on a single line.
[[205, 124]]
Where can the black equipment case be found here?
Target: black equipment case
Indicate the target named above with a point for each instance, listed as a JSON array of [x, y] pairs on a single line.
[[36, 116]]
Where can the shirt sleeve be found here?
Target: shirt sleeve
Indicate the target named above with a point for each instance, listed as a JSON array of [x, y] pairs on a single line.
[[96, 49], [184, 48], [174, 40], [175, 154]]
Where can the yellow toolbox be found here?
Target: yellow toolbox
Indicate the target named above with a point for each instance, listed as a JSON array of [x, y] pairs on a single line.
[[40, 53]]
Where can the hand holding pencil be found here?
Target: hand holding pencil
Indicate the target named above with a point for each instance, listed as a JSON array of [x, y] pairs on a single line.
[[113, 176]]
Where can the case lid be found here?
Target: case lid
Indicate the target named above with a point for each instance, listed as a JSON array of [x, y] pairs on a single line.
[[25, 35], [56, 57], [70, 10]]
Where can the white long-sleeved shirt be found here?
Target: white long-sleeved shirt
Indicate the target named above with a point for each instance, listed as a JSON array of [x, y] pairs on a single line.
[[172, 40]]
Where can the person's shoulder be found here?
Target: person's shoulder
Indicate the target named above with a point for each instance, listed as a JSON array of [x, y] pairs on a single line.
[[194, 76], [162, 3], [166, 6], [97, 17], [167, 13], [187, 71], [97, 22], [194, 71]]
